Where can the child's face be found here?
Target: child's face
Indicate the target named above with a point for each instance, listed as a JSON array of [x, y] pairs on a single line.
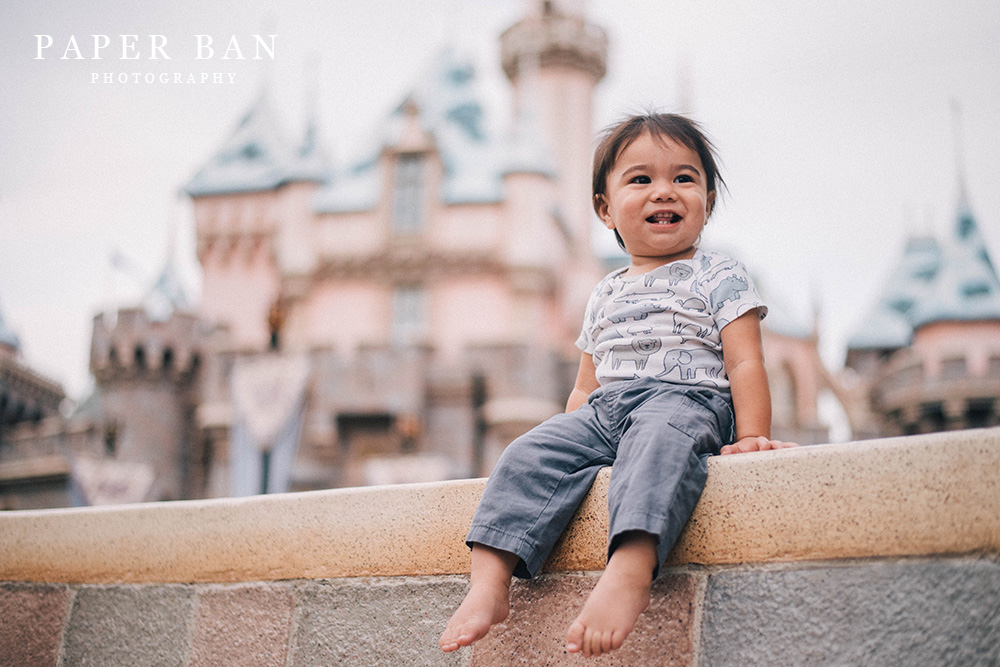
[[657, 199]]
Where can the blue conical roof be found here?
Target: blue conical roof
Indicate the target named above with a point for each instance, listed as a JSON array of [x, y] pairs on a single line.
[[952, 280], [260, 156], [447, 105], [966, 287], [889, 324], [167, 294]]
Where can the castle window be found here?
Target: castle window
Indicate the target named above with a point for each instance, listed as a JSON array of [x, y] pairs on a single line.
[[409, 316], [408, 194], [168, 358], [140, 356]]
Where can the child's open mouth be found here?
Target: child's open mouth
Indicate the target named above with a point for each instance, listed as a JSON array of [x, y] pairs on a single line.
[[664, 218]]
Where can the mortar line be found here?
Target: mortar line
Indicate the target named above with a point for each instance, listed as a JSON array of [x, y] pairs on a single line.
[[294, 589], [192, 623], [61, 653], [700, 593]]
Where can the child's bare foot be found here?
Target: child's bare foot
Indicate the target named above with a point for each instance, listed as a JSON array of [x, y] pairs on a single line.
[[621, 594], [487, 602], [484, 606]]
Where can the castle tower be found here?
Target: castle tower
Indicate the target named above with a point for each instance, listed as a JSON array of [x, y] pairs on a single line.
[[146, 362], [554, 59], [252, 204], [929, 354]]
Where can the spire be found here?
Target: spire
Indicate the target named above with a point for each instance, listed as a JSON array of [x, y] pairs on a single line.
[[950, 280], [255, 157], [967, 287], [963, 194], [167, 294], [311, 161]]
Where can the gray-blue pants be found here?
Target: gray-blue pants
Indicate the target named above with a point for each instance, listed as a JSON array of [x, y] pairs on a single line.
[[658, 437]]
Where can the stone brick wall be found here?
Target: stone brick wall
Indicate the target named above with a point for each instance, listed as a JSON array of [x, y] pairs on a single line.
[[875, 553]]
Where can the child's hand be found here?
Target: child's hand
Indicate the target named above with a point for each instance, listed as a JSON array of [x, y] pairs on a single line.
[[755, 444]]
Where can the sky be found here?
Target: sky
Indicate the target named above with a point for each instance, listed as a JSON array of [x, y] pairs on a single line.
[[834, 121]]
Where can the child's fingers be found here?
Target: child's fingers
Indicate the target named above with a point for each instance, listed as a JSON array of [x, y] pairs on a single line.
[[758, 444], [778, 444], [741, 446]]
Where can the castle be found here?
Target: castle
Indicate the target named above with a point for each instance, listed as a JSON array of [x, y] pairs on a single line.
[[399, 320], [927, 357]]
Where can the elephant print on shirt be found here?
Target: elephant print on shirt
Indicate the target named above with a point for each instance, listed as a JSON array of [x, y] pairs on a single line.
[[686, 364], [667, 323]]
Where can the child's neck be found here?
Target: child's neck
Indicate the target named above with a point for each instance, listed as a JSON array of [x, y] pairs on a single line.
[[642, 265]]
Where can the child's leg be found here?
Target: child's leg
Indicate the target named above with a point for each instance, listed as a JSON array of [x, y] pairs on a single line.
[[537, 485], [531, 495], [662, 465], [621, 594], [488, 600], [656, 481]]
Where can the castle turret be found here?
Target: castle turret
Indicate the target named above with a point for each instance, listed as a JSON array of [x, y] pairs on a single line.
[[555, 54], [146, 362], [929, 354], [252, 202]]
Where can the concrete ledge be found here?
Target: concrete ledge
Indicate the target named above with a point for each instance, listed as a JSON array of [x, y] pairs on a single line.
[[923, 495]]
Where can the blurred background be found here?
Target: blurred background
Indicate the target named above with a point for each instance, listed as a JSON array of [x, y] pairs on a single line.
[[296, 243]]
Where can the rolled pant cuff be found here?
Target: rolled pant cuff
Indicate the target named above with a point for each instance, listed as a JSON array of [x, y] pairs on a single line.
[[530, 559], [645, 523]]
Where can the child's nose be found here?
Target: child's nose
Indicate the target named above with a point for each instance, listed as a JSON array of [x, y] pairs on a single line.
[[663, 190]]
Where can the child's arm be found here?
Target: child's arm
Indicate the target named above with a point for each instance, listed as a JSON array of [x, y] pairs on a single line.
[[586, 382], [743, 354]]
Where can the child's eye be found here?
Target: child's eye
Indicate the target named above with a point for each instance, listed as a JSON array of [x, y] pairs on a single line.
[[684, 178], [640, 179]]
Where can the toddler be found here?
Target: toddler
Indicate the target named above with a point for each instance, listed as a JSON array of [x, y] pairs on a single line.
[[671, 372]]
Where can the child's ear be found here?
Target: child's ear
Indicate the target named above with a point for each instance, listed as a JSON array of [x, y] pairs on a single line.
[[601, 207], [711, 203]]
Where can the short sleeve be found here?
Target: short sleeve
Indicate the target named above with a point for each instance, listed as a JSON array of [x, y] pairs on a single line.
[[734, 294], [586, 341]]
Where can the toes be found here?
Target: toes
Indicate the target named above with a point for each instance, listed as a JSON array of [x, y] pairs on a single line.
[[448, 642], [455, 638], [600, 643], [591, 644], [574, 637], [607, 642]]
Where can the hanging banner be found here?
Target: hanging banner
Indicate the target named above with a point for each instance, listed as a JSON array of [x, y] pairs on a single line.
[[111, 482], [269, 398]]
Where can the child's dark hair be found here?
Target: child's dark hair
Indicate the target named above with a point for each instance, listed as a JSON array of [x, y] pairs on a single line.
[[619, 136]]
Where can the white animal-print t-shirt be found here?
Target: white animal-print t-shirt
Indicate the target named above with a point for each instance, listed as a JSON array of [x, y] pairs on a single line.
[[667, 323]]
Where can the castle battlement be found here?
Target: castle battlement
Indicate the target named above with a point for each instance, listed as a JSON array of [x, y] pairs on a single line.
[[133, 344]]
